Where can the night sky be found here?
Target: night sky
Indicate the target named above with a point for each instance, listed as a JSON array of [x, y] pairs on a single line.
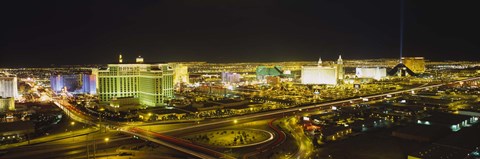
[[42, 33]]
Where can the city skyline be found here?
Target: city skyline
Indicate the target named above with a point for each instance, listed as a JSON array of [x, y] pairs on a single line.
[[96, 32], [249, 79]]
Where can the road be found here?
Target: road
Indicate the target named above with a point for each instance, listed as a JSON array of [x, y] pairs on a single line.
[[273, 113], [281, 137], [173, 143], [206, 153], [67, 148]]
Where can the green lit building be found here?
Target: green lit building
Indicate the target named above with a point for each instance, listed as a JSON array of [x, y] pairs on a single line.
[[152, 84], [264, 71]]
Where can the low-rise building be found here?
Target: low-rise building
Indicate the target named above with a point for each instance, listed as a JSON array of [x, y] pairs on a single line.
[[453, 121], [123, 101], [421, 133], [461, 144], [334, 133], [7, 104]]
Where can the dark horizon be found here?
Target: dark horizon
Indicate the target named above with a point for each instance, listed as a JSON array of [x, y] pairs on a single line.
[[39, 33]]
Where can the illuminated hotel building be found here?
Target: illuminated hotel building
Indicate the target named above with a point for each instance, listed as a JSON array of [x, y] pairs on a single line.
[[8, 86], [263, 72], [229, 77], [416, 64], [180, 73], [152, 84], [371, 72], [321, 74], [77, 83]]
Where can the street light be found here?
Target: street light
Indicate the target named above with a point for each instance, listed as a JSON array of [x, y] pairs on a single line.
[[106, 139], [73, 133]]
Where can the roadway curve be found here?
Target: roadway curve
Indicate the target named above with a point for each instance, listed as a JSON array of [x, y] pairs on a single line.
[[281, 137], [165, 140], [85, 118], [174, 143], [297, 109]]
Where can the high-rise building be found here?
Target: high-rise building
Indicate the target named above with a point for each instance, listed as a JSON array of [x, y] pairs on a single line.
[[319, 75], [8, 85], [323, 74], [416, 64], [74, 83], [89, 84], [371, 72], [152, 84], [180, 73]]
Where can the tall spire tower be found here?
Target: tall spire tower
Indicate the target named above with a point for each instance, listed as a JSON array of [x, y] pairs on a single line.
[[340, 69]]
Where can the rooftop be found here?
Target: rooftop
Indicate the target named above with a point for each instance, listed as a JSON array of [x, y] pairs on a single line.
[[466, 138], [446, 118], [327, 131], [426, 131]]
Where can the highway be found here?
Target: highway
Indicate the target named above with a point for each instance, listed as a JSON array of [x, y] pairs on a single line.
[[193, 150], [172, 142], [281, 137], [74, 113], [274, 113], [67, 148]]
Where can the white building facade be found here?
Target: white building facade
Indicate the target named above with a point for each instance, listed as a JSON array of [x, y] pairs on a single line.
[[320, 74], [8, 86], [376, 73]]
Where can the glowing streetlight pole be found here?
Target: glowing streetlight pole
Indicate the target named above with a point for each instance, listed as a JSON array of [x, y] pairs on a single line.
[[73, 133]]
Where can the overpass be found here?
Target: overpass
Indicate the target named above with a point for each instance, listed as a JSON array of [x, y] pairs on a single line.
[[207, 153], [297, 109], [171, 142]]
